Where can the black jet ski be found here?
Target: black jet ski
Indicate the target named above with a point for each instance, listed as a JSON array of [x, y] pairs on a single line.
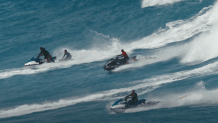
[[37, 61], [122, 104], [116, 62]]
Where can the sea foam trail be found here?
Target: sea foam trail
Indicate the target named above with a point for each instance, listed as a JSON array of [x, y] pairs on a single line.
[[175, 32], [200, 49], [198, 95], [143, 87], [79, 56], [203, 47], [147, 3]]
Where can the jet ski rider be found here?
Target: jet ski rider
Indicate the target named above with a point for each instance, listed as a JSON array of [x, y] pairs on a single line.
[[126, 57], [67, 55], [45, 53], [133, 96]]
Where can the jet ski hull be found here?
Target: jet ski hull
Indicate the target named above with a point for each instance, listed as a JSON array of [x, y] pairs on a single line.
[[115, 63], [119, 107], [36, 61]]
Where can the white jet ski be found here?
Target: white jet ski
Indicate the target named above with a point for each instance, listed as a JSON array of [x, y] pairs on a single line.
[[121, 105], [37, 61]]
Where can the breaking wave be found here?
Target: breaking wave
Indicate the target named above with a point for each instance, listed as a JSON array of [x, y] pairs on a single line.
[[143, 87], [147, 3], [174, 32]]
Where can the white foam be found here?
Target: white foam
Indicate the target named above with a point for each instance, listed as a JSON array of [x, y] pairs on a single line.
[[79, 56], [147, 3], [143, 87], [27, 109], [175, 32], [203, 47], [200, 49], [197, 96]]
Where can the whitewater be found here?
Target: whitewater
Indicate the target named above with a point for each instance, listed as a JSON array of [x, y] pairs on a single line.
[[181, 29], [181, 34]]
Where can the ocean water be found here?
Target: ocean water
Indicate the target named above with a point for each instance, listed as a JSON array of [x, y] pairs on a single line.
[[181, 34]]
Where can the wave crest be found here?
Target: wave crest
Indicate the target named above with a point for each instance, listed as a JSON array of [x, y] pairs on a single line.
[[147, 3]]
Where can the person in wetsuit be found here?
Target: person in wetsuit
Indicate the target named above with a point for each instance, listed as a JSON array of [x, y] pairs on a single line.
[[126, 57], [66, 56], [133, 96], [45, 53]]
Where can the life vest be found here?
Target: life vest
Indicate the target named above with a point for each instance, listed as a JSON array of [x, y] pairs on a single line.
[[124, 54]]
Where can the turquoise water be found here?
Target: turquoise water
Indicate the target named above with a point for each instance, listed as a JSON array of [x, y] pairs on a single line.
[[181, 35]]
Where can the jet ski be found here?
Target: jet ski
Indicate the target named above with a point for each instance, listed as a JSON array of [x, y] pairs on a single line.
[[122, 104], [116, 62], [37, 61]]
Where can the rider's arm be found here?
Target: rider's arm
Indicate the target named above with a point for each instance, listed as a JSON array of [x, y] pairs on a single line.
[[40, 54], [64, 56], [128, 96]]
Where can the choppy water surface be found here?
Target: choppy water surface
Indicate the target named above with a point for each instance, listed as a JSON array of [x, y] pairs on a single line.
[[181, 34]]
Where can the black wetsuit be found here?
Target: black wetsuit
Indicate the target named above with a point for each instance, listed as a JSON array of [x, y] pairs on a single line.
[[67, 56], [45, 53], [134, 98]]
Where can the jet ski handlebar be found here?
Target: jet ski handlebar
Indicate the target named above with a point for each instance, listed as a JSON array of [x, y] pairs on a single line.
[[127, 97]]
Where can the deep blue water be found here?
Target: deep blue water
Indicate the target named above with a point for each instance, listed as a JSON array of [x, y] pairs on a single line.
[[182, 36]]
